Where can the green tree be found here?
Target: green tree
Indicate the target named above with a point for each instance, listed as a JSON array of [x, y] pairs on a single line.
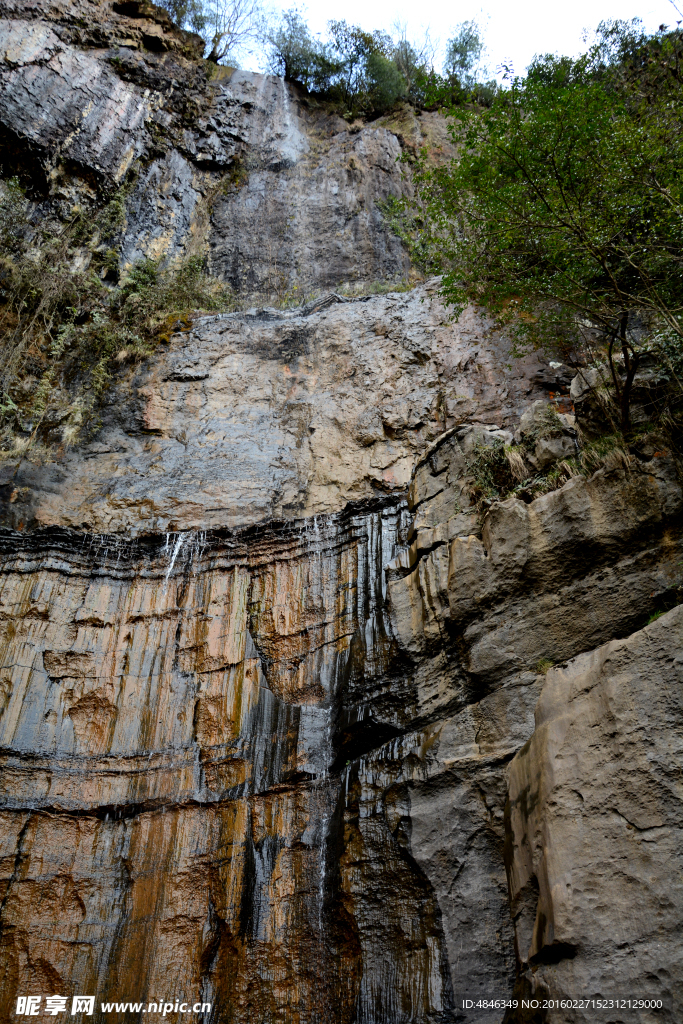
[[296, 55], [186, 13], [463, 53], [564, 206], [385, 82], [357, 69], [350, 47], [461, 79], [414, 61]]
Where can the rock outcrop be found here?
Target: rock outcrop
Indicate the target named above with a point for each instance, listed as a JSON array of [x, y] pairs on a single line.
[[167, 736], [595, 813], [291, 722], [283, 195], [275, 414]]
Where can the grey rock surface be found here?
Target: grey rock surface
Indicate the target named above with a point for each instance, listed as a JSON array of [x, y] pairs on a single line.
[[68, 102], [595, 827], [308, 215], [600, 550], [276, 414], [279, 722], [285, 196], [539, 583]]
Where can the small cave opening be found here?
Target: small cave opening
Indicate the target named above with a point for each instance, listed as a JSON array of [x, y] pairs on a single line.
[[354, 739]]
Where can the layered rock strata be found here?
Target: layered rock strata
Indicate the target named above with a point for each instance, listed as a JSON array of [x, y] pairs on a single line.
[[167, 735], [275, 725], [290, 746]]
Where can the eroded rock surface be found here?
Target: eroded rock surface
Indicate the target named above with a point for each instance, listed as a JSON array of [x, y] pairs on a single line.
[[250, 762], [595, 823], [283, 196], [166, 735], [274, 724], [275, 414], [596, 551]]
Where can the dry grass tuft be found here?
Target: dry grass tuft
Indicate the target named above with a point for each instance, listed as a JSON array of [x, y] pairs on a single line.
[[516, 464]]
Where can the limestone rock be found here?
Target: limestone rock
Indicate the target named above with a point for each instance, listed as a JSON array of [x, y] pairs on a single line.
[[592, 386], [165, 728], [273, 414], [268, 675], [594, 550], [595, 821], [284, 196]]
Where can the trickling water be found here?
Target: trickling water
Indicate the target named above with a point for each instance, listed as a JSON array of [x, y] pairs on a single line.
[[274, 831], [193, 541], [180, 540], [322, 866]]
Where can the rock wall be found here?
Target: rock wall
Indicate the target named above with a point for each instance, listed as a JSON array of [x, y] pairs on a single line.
[[282, 195], [275, 414], [595, 813], [277, 733], [167, 734]]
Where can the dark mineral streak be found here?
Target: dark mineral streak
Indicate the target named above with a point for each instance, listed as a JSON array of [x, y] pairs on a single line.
[[277, 724]]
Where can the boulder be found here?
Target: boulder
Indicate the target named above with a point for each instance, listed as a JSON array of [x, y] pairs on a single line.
[[594, 851]]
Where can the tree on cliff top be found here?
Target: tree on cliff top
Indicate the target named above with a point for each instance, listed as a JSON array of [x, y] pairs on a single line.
[[226, 25], [353, 67], [564, 205], [366, 73]]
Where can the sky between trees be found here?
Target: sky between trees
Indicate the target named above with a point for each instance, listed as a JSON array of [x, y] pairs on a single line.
[[513, 33]]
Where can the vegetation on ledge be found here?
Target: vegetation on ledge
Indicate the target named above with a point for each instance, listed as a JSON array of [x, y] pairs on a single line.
[[367, 73], [363, 74], [563, 211], [68, 321]]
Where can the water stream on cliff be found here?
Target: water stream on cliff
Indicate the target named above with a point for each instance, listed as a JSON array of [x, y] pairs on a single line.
[[361, 584], [239, 764], [192, 542], [212, 722]]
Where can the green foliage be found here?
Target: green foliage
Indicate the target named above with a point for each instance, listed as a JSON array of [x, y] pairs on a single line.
[[140, 278], [491, 473], [112, 217], [498, 471], [461, 79], [64, 328], [13, 206], [384, 81], [412, 64], [543, 666], [190, 13], [363, 73], [235, 179], [367, 73], [463, 51], [42, 392], [564, 208], [298, 56]]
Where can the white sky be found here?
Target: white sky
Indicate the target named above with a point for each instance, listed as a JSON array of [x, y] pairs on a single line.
[[512, 31]]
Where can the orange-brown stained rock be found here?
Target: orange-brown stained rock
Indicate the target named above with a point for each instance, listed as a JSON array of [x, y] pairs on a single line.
[[168, 811], [157, 906], [170, 826]]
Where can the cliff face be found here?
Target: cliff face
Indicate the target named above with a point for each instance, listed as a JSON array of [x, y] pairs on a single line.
[[275, 414], [278, 728]]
